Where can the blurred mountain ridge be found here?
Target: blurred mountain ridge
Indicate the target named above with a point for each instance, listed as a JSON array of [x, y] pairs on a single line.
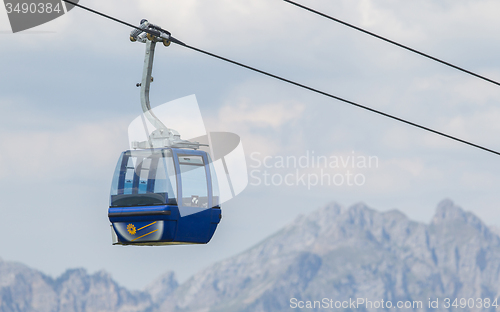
[[334, 252]]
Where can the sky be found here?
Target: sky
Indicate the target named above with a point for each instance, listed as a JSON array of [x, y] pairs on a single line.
[[67, 96]]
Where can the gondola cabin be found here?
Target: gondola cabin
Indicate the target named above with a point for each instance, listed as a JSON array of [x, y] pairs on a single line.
[[164, 196]]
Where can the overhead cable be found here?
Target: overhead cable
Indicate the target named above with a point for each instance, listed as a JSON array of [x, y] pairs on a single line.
[[393, 42]]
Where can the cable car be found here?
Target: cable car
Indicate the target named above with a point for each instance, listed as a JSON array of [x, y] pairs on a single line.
[[164, 190], [164, 196]]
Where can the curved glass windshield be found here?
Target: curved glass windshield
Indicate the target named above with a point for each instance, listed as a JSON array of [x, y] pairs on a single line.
[[144, 178]]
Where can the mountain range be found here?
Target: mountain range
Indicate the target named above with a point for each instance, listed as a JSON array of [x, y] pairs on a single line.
[[335, 258]]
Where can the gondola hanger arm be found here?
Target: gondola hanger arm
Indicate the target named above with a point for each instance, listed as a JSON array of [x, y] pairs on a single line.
[[162, 136]]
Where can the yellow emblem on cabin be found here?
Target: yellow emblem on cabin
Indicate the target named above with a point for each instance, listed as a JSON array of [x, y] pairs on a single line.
[[131, 229]]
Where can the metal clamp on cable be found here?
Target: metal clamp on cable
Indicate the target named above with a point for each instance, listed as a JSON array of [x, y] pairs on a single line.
[[151, 32]]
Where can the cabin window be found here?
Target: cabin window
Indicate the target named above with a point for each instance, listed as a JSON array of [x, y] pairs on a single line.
[[215, 183], [194, 181], [141, 178]]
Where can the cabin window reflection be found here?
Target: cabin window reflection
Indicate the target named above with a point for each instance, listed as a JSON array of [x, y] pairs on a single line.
[[129, 176], [143, 173]]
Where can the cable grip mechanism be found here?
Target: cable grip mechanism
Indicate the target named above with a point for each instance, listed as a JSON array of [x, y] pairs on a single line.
[[151, 32]]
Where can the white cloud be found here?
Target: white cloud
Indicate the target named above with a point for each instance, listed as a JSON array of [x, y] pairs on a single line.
[[259, 115], [82, 151]]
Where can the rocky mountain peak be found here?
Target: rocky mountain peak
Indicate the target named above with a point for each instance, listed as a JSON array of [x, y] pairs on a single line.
[[324, 214], [447, 210], [162, 287], [450, 218]]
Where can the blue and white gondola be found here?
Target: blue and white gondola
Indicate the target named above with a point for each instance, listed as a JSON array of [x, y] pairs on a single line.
[[164, 196]]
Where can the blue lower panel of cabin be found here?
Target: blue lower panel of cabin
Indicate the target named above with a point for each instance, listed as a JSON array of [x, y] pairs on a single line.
[[194, 228], [216, 215], [162, 225], [198, 227]]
